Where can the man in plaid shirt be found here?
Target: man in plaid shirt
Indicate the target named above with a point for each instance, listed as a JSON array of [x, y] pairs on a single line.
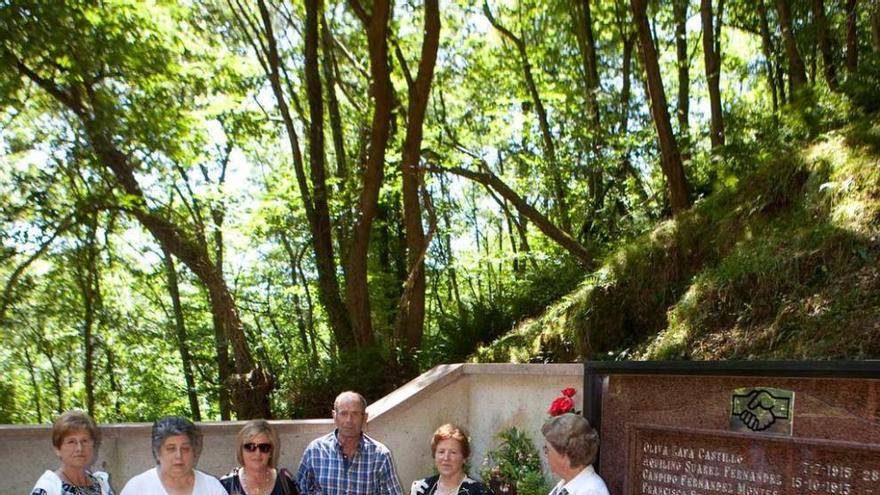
[[347, 461]]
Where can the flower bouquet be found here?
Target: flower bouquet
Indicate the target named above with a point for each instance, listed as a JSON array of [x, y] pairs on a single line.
[[514, 467]]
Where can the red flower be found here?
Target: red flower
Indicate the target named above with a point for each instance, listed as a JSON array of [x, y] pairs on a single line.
[[560, 405], [569, 392]]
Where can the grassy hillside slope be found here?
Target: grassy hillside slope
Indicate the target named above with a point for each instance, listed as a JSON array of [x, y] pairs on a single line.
[[783, 264]]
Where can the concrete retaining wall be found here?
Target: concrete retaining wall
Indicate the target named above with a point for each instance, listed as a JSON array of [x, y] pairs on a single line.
[[485, 398]]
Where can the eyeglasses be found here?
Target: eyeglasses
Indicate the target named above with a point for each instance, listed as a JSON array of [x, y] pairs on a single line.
[[79, 442], [264, 447]]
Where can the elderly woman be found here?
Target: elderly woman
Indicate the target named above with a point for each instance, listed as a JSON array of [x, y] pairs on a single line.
[[76, 439], [450, 448], [257, 451], [571, 445], [177, 444]]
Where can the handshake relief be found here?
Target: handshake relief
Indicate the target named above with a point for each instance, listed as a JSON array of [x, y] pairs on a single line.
[[759, 409], [759, 415]]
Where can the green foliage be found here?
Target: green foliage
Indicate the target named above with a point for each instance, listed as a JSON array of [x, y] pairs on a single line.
[[861, 87], [7, 402], [806, 286], [313, 390], [815, 111], [781, 265], [485, 320], [181, 90], [514, 462]]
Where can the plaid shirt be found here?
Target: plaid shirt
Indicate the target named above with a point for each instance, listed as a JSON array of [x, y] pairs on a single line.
[[324, 470]]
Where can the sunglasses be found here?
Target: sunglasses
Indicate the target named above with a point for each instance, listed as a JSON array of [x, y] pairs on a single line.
[[264, 447]]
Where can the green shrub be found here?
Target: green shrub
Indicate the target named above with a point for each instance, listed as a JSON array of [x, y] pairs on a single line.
[[514, 467], [861, 87], [482, 321], [313, 389]]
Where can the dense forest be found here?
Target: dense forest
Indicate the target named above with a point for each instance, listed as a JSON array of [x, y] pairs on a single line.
[[237, 208]]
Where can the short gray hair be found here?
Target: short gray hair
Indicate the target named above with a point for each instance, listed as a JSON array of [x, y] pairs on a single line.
[[170, 426], [571, 435], [349, 394]]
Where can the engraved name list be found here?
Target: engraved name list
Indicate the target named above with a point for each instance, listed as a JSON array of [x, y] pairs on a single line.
[[675, 462]]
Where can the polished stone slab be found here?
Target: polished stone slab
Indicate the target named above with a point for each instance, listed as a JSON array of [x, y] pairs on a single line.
[[687, 433]]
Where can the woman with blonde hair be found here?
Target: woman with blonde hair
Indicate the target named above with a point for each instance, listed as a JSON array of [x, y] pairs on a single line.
[[257, 452], [76, 438]]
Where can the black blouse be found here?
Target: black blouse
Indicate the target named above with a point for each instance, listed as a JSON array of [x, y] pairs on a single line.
[[428, 486], [284, 484]]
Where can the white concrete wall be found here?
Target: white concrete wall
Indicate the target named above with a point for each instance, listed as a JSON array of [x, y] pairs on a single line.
[[485, 398]]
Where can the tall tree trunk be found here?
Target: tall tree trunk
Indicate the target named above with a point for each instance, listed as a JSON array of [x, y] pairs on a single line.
[[509, 220], [114, 384], [328, 62], [87, 279], [625, 165], [713, 74], [852, 36], [301, 323], [29, 363], [670, 159], [824, 44], [583, 22], [347, 334], [583, 28], [221, 343], [390, 255], [317, 212], [680, 14], [180, 333], [549, 146], [310, 315], [314, 93], [357, 295], [522, 222], [780, 78], [54, 366], [626, 86], [410, 322], [224, 367], [452, 274], [874, 7], [768, 50], [797, 73]]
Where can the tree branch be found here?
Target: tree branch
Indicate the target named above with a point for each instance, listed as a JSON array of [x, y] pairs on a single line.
[[65, 224], [488, 179], [359, 11]]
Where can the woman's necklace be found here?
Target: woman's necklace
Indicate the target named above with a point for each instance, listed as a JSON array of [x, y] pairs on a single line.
[[260, 486], [443, 489], [81, 481]]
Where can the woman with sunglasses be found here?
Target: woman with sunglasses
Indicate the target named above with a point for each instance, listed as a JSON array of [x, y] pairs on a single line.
[[257, 454]]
